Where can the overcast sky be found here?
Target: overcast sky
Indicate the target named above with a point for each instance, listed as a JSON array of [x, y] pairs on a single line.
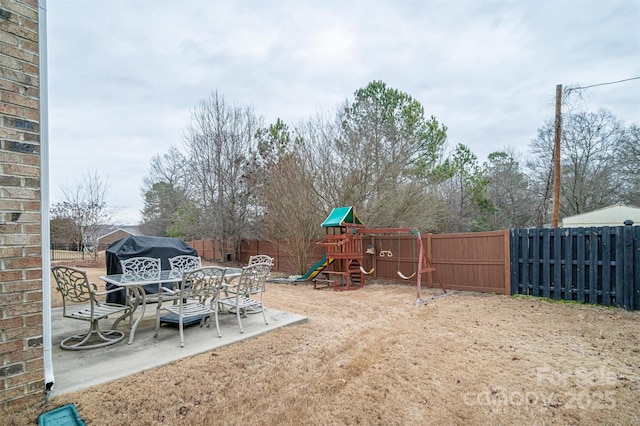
[[124, 75]]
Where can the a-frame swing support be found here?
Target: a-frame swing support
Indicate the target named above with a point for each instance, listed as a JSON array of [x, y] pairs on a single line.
[[424, 265]]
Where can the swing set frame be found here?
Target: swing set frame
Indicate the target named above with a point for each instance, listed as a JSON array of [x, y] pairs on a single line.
[[424, 263]]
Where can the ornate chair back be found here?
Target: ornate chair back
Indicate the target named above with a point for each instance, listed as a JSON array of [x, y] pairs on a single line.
[[140, 268], [260, 258], [185, 262]]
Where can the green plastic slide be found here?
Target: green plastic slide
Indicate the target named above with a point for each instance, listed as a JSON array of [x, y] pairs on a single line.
[[316, 269]]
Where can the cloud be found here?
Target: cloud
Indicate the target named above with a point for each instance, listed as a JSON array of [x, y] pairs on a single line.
[[124, 75]]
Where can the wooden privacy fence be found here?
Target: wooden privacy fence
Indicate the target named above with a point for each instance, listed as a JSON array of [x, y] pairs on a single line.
[[588, 265], [472, 261], [281, 252], [205, 249], [466, 261], [599, 265]]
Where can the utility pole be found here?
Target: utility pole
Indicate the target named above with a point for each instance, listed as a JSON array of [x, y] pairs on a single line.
[[556, 158]]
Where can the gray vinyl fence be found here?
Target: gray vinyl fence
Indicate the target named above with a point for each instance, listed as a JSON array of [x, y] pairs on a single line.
[[598, 265]]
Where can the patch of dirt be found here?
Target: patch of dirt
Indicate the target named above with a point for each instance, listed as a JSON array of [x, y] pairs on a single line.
[[374, 357]]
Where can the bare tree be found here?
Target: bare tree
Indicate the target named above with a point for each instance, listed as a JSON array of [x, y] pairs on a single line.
[[218, 140], [590, 180], [84, 210], [588, 156], [283, 186], [628, 160], [540, 172], [318, 136], [283, 181], [165, 193]]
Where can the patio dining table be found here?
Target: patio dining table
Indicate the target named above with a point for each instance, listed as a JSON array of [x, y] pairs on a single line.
[[136, 295]]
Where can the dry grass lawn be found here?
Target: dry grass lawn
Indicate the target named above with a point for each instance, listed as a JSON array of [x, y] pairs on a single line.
[[373, 357]]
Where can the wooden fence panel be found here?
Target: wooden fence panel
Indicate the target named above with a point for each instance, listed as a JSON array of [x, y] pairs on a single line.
[[206, 250], [476, 261], [209, 251], [199, 246], [598, 265]]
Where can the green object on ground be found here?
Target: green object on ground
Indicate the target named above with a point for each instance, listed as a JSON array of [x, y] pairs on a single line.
[[67, 415], [315, 269]]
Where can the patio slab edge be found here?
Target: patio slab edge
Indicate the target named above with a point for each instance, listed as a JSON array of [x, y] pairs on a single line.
[[77, 370]]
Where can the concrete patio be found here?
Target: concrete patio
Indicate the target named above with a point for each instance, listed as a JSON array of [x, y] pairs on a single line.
[[75, 370]]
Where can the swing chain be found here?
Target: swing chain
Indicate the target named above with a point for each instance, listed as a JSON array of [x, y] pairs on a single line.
[[385, 253], [400, 274]]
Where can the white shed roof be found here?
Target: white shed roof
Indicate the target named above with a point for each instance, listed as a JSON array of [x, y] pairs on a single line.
[[608, 216]]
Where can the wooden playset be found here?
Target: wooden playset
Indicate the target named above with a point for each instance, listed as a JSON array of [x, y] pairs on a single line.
[[342, 267]]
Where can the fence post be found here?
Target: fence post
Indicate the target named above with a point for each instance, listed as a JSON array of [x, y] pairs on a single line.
[[556, 281], [526, 242], [506, 243], [636, 267], [535, 259], [513, 237], [569, 254], [430, 255], [628, 266]]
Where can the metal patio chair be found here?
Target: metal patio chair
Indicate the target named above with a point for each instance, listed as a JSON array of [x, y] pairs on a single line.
[[75, 287], [248, 291], [197, 299], [258, 258]]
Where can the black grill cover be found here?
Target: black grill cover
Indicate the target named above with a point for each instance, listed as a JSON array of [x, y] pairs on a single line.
[[138, 246]]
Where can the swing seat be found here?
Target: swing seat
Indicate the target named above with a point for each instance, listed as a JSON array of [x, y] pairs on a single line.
[[404, 277], [367, 272]]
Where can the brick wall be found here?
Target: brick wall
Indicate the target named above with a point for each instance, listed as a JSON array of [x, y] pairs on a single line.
[[21, 359]]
